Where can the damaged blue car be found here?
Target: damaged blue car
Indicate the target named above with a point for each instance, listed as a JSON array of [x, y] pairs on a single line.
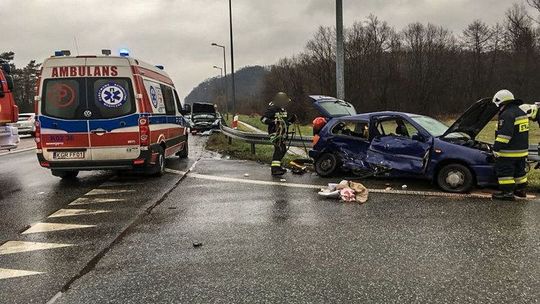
[[397, 144]]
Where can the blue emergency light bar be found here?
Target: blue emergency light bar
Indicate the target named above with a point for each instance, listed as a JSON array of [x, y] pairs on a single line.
[[62, 53], [124, 52]]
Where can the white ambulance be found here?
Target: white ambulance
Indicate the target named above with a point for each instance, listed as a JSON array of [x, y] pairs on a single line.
[[107, 113]]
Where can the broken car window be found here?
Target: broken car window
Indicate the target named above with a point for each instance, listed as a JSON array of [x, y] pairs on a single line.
[[352, 128], [396, 127]]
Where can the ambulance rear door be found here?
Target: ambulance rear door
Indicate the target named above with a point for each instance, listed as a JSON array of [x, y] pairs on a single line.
[[114, 122], [63, 107]]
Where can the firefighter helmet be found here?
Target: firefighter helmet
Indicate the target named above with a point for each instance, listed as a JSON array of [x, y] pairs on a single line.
[[281, 99], [503, 96], [530, 109]]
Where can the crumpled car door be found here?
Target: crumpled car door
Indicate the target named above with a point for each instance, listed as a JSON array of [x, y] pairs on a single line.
[[399, 153]]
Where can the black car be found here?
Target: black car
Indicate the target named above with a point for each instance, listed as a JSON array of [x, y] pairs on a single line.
[[204, 117]]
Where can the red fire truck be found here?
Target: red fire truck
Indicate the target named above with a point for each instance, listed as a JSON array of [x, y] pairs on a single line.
[[9, 112]]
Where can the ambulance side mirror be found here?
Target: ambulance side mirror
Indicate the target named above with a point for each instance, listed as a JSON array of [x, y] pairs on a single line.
[[186, 110], [10, 84]]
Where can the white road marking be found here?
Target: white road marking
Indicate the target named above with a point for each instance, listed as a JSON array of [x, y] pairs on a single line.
[[115, 184], [20, 246], [48, 227], [76, 212], [308, 186], [177, 172], [107, 191], [89, 201], [14, 273], [253, 182], [17, 151]]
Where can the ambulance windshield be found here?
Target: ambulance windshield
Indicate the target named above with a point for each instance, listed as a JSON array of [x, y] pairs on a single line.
[[87, 98]]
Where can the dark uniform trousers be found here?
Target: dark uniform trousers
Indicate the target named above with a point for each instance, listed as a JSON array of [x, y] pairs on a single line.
[[511, 173]]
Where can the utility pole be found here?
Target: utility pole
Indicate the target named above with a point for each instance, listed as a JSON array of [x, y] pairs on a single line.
[[232, 58], [340, 51]]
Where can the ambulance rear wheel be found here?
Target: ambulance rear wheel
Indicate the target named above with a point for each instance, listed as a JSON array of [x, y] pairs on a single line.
[[159, 167], [326, 164], [65, 174], [185, 152]]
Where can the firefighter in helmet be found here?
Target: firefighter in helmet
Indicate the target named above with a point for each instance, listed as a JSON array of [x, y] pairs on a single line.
[[278, 122], [511, 146]]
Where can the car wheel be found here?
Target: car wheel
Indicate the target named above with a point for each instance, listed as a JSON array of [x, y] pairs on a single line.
[[160, 162], [65, 174], [455, 178], [326, 164], [185, 152]]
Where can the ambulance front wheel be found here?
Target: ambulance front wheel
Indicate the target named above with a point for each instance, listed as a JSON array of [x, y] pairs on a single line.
[[65, 174], [185, 152]]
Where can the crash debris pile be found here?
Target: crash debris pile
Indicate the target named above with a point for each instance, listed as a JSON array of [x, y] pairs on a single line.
[[301, 166], [346, 191]]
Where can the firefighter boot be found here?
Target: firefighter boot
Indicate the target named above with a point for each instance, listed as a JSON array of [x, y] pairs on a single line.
[[521, 193], [277, 169], [504, 196]]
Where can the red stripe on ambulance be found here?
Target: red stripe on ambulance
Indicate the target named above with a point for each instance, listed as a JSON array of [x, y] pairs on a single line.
[[115, 139]]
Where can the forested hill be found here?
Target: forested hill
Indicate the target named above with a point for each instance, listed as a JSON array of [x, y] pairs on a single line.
[[249, 86]]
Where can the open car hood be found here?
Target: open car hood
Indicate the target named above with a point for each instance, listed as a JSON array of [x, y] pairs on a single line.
[[331, 107], [474, 119], [200, 107]]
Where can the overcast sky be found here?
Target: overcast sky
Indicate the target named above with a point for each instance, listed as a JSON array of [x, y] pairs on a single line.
[[178, 33]]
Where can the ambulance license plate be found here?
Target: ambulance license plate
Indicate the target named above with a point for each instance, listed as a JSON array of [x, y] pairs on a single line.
[[68, 155]]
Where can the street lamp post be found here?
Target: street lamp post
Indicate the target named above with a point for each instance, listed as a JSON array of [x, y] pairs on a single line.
[[225, 71], [223, 88]]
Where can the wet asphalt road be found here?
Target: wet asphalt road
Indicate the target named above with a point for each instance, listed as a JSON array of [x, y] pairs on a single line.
[[262, 242]]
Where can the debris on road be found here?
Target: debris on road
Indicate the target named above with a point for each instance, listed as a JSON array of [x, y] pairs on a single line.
[[282, 180], [404, 187], [197, 244], [246, 175], [301, 166], [347, 191]]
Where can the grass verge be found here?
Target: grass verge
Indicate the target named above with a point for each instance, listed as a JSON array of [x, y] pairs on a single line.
[[255, 121], [218, 142]]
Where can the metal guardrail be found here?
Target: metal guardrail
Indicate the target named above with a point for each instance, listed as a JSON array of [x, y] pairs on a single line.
[[264, 139], [533, 153]]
